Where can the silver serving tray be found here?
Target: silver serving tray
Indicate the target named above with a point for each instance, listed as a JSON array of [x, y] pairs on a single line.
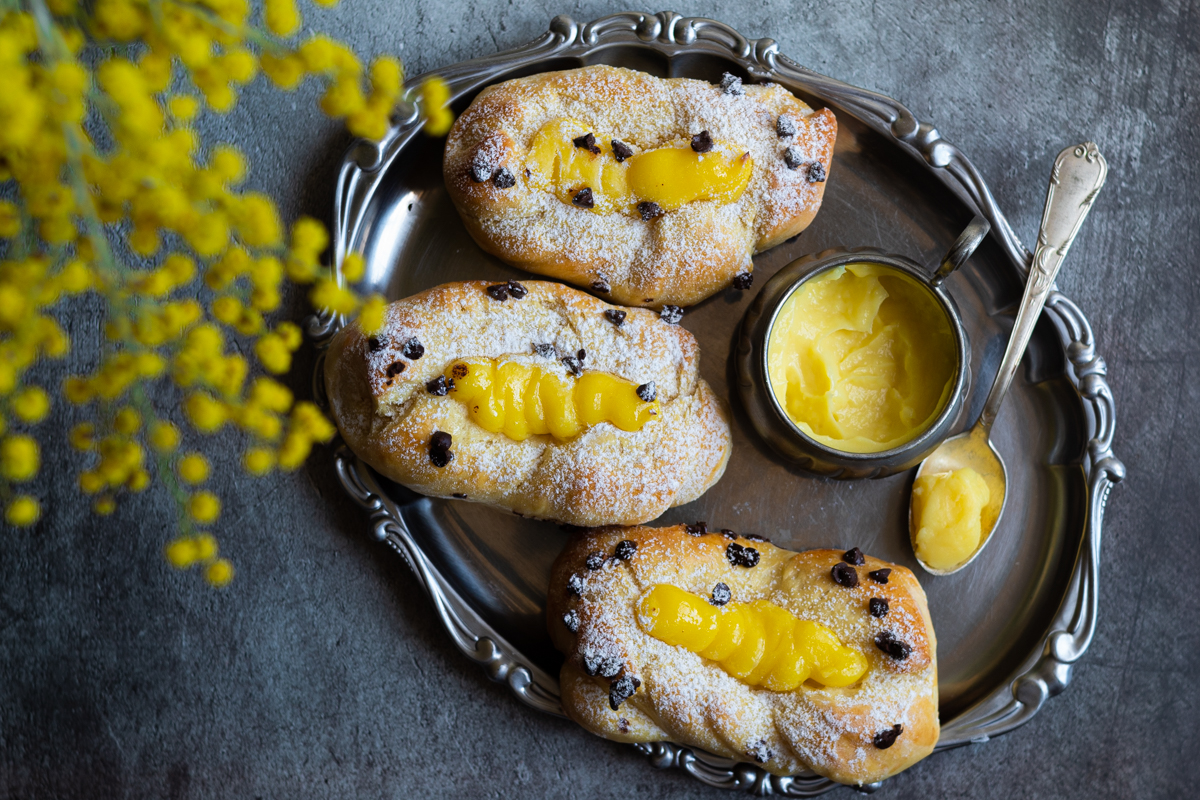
[[1009, 628]]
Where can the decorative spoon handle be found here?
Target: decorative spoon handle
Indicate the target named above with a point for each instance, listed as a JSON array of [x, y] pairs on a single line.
[[1078, 174]]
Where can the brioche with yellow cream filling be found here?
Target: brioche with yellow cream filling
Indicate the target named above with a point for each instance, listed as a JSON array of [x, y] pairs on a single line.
[[596, 452], [650, 191], [821, 660]]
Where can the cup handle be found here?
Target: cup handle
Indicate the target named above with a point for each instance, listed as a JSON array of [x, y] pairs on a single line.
[[971, 237]]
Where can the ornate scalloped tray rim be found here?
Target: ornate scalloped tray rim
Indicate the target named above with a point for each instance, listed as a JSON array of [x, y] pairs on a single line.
[[1044, 673]]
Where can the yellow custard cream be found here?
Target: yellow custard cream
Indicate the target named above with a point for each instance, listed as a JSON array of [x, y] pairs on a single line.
[[862, 358], [758, 643], [618, 179], [947, 513], [521, 400]]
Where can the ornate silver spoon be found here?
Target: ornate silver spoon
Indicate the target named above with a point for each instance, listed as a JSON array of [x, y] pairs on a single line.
[[1078, 174]]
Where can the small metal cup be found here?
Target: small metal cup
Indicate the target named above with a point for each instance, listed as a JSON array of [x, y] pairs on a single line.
[[767, 413]]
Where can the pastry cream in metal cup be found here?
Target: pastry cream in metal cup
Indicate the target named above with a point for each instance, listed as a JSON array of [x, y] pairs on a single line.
[[915, 291]]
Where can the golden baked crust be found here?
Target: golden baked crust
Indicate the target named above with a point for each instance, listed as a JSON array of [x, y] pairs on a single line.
[[687, 699], [604, 476], [679, 258]]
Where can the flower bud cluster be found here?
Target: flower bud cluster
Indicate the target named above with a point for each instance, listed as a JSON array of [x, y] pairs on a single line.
[[99, 160]]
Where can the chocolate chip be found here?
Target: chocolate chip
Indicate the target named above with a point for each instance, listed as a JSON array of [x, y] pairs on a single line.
[[601, 285], [602, 665], [481, 170], [413, 349], [760, 752], [581, 354], [571, 620], [732, 84], [671, 314], [615, 317], [702, 142], [625, 549], [621, 690], [527, 172], [728, 534], [623, 725], [854, 556], [743, 281], [648, 392], [584, 198], [573, 365], [885, 739], [439, 386], [587, 142], [374, 345], [650, 210], [516, 290], [879, 607], [880, 575], [544, 350], [740, 556], [395, 368], [720, 595], [621, 151], [575, 584], [697, 529], [888, 643], [498, 291], [844, 575], [793, 157], [754, 537], [595, 560], [816, 172], [439, 449], [503, 179], [785, 126]]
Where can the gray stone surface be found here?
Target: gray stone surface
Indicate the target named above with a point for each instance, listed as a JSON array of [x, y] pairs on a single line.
[[321, 671]]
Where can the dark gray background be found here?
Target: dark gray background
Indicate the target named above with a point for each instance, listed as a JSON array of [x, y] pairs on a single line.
[[322, 672]]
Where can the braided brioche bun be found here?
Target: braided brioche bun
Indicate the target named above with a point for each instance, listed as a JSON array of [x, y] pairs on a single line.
[[678, 258], [387, 415], [690, 700]]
